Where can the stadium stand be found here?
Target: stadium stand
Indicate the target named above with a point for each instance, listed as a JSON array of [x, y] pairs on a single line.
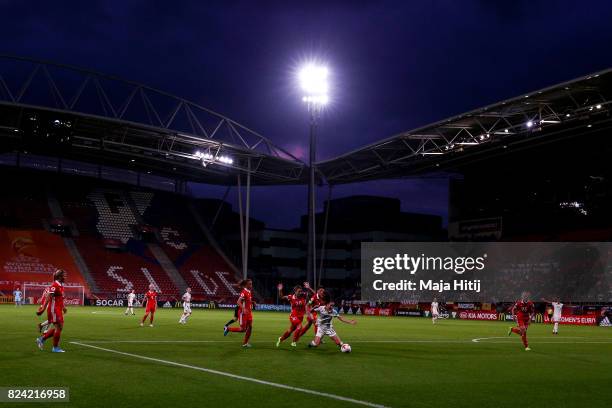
[[120, 270], [203, 269], [100, 232], [31, 256]]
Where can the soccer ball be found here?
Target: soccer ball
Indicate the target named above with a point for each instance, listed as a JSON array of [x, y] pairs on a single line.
[[345, 348]]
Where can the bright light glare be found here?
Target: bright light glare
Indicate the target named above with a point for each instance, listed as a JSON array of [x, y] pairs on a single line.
[[208, 157], [313, 81]]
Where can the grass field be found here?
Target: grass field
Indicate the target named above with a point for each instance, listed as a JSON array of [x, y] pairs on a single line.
[[396, 362]]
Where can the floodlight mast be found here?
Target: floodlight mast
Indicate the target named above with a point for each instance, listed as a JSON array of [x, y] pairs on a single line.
[[313, 80]]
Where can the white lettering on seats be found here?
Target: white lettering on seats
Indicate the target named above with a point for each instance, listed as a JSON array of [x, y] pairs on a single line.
[[171, 238], [227, 283], [198, 277], [149, 277], [111, 272]]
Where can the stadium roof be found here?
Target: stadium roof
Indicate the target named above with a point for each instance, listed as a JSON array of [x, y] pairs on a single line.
[[78, 114], [571, 109]]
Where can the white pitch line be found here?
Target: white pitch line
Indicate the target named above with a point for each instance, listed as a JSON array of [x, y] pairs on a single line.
[[156, 341], [415, 341], [266, 342], [560, 341], [237, 377]]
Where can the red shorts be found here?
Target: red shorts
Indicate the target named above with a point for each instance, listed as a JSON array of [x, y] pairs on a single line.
[[151, 308], [55, 315], [523, 322], [312, 317], [245, 319], [296, 320]]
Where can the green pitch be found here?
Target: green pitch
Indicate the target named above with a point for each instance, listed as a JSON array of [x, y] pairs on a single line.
[[396, 362]]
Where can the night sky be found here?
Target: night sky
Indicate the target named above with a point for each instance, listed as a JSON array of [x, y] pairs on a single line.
[[394, 65]]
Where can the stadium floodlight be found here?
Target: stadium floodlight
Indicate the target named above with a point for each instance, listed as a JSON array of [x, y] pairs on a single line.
[[209, 157], [225, 159], [468, 143], [530, 123], [598, 106], [313, 81]]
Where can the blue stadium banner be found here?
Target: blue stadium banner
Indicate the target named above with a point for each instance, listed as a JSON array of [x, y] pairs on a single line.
[[486, 271]]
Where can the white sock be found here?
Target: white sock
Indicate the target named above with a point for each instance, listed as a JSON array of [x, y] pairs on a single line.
[[556, 327]]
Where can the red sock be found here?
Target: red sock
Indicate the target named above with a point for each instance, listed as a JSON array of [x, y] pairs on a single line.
[[56, 337], [304, 329], [286, 334], [144, 317], [152, 314], [49, 333], [235, 329], [524, 338], [516, 330], [247, 335], [297, 333], [316, 328]]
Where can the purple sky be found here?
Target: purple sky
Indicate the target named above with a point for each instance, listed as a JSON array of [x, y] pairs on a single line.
[[395, 65]]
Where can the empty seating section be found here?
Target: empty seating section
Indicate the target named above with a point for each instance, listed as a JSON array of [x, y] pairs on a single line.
[[79, 210], [172, 218], [115, 217], [101, 214], [121, 271], [208, 275], [200, 266], [103, 221]]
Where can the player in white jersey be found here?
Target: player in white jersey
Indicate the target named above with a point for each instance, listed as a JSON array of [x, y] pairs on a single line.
[[325, 326], [556, 316], [17, 294], [186, 306], [434, 311], [130, 300]]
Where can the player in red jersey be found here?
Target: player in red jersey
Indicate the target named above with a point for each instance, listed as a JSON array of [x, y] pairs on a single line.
[[298, 309], [55, 311], [245, 316], [315, 301], [151, 299], [523, 311]]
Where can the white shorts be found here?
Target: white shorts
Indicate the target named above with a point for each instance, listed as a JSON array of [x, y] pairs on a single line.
[[130, 304], [435, 314], [324, 331], [186, 307], [556, 319]]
